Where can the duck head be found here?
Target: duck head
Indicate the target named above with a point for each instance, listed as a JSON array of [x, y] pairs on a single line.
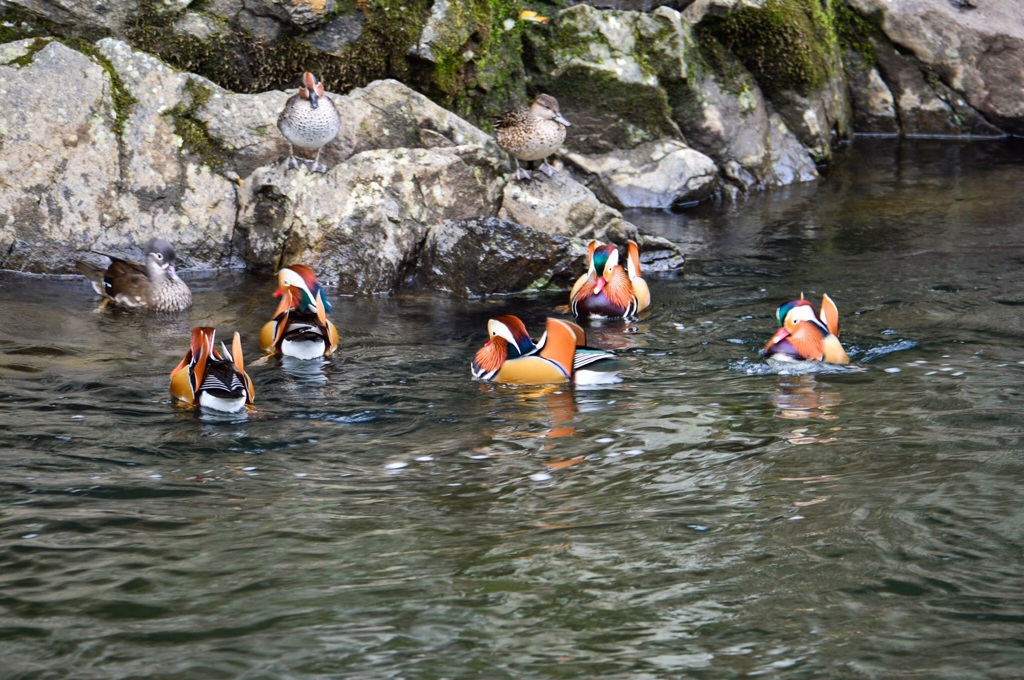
[[545, 107], [311, 89]]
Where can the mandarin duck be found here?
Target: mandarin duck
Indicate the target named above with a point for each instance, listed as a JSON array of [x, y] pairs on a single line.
[[607, 290], [510, 356], [154, 285], [309, 120], [802, 336], [532, 133], [300, 327], [216, 380]]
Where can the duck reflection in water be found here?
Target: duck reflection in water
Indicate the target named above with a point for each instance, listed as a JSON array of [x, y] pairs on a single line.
[[552, 405], [800, 397]]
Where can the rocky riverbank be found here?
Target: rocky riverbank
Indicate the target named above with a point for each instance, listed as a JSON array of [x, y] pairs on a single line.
[[116, 125]]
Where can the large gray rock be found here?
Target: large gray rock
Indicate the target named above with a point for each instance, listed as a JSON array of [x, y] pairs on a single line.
[[791, 52], [653, 87], [874, 107], [164, 190], [362, 224], [561, 205], [977, 49], [487, 256], [926, 106], [60, 170], [134, 149], [82, 17], [662, 174]]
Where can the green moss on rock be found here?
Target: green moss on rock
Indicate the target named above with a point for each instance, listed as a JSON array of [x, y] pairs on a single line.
[[195, 136], [785, 44], [855, 32]]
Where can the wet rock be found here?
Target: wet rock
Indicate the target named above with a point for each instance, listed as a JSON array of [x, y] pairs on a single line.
[[590, 52], [164, 190], [364, 221], [977, 52], [561, 205], [874, 108], [661, 174], [789, 49], [925, 105], [486, 256], [135, 149], [59, 170]]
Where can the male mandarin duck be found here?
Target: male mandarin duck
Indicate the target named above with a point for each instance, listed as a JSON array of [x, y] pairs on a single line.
[[532, 133], [806, 337], [154, 285], [309, 120], [216, 380], [300, 327], [607, 290], [510, 356]]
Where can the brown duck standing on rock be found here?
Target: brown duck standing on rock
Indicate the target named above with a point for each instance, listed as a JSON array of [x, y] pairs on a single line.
[[532, 133], [153, 286], [309, 121]]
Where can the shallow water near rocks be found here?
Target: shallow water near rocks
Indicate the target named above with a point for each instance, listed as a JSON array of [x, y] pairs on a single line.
[[709, 516]]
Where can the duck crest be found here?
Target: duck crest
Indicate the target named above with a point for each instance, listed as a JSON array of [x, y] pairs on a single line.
[[210, 378]]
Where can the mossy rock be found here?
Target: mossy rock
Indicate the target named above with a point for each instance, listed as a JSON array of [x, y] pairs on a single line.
[[788, 45]]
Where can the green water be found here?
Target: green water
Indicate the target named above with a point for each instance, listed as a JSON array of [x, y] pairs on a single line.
[[384, 516]]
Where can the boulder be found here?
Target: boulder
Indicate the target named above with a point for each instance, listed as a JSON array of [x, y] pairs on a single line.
[[661, 174], [487, 255], [60, 170], [874, 107], [135, 149], [560, 205], [925, 105], [362, 224], [976, 49]]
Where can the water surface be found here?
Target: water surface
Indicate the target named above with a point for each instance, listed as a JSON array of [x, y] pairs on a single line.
[[385, 516]]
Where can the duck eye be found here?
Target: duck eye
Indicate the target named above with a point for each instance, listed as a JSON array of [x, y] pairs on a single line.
[[159, 256]]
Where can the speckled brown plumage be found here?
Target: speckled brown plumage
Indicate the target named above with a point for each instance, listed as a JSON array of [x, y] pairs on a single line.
[[309, 120], [532, 133], [153, 286]]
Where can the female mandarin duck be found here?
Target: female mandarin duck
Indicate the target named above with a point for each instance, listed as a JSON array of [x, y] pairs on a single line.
[[206, 377], [154, 285], [300, 327], [805, 337], [513, 358], [532, 133], [309, 120], [607, 290]]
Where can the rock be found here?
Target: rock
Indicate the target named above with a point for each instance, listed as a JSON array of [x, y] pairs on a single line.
[[387, 115], [592, 51], [790, 49], [362, 224], [735, 126], [82, 18], [925, 105], [134, 149], [874, 109], [486, 256], [979, 52], [164, 189], [561, 205], [662, 174], [59, 170]]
